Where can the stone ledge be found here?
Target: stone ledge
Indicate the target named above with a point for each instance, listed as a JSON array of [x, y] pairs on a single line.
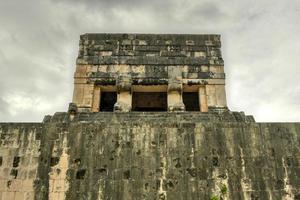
[[220, 116]]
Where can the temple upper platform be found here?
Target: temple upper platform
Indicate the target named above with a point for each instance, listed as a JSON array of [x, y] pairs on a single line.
[[149, 72]]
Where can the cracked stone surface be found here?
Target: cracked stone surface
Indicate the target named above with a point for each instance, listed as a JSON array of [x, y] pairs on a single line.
[[173, 157]]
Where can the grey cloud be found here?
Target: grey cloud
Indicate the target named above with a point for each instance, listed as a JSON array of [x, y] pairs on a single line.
[[3, 107], [33, 68], [105, 4], [208, 11]]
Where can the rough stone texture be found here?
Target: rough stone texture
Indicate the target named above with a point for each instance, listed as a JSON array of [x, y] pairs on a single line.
[[127, 62], [149, 49], [159, 156], [20, 145]]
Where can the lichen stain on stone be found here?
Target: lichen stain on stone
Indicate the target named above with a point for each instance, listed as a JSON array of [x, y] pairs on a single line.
[[154, 157], [288, 189], [245, 181]]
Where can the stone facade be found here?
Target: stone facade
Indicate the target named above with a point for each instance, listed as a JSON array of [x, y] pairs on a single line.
[[113, 144], [133, 63]]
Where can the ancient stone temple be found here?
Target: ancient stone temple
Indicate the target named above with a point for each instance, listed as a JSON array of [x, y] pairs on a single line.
[[141, 72], [149, 120]]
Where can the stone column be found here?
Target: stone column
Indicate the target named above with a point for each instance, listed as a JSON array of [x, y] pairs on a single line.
[[124, 100], [83, 89], [203, 99], [216, 98], [96, 99], [83, 96], [221, 96], [211, 96], [175, 102]]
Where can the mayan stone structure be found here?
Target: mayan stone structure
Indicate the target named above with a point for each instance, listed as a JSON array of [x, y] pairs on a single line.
[[149, 120], [149, 72]]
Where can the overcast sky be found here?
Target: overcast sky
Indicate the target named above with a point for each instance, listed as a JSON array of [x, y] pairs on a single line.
[[39, 45]]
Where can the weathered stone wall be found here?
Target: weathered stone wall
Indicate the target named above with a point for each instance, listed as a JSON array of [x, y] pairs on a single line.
[[150, 49], [20, 145], [151, 156], [171, 63]]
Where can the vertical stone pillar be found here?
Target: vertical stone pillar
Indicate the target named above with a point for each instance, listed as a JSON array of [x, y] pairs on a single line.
[[221, 96], [124, 101], [83, 90], [216, 98], [211, 95], [175, 102], [83, 96], [203, 99], [96, 99]]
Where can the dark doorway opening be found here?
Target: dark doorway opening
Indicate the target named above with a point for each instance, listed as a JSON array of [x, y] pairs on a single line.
[[149, 101], [107, 102], [191, 101]]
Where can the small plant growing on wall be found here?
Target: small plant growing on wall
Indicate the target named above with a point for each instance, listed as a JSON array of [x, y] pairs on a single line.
[[221, 195], [223, 190], [214, 198]]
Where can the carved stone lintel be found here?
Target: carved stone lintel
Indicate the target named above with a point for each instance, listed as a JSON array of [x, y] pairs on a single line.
[[123, 83], [175, 85]]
